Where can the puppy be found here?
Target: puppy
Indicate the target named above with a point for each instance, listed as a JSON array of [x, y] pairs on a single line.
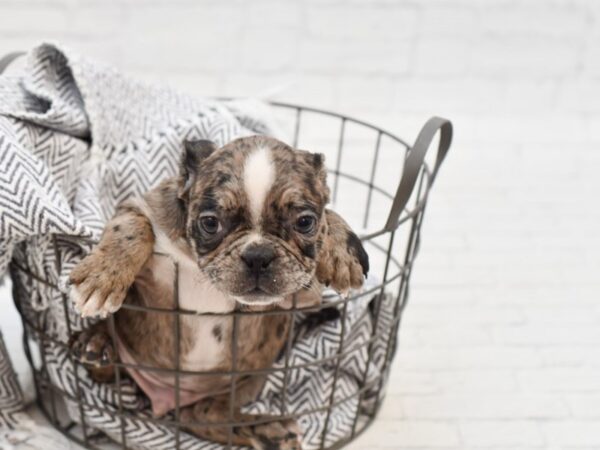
[[249, 231]]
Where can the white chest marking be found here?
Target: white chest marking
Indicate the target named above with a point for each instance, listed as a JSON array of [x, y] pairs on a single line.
[[258, 176], [196, 293]]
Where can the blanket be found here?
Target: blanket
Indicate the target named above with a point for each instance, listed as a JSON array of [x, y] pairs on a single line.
[[77, 137]]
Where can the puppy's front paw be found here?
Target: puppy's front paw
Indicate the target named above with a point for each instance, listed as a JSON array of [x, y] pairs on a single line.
[[278, 435], [342, 272], [97, 289], [343, 263]]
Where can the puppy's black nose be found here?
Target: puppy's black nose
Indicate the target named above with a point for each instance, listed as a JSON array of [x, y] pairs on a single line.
[[258, 258]]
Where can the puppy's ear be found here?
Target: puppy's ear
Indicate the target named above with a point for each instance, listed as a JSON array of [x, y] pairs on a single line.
[[193, 154], [316, 165], [342, 262]]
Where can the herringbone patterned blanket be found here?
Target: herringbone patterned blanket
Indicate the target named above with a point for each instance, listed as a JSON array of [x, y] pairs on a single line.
[[77, 138]]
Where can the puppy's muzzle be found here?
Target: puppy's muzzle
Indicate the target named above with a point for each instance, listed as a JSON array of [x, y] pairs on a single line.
[[258, 259]]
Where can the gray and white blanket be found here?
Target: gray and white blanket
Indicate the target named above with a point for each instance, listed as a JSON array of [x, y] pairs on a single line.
[[78, 137]]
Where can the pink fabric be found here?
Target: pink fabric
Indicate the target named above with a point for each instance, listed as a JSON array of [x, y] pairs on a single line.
[[160, 388]]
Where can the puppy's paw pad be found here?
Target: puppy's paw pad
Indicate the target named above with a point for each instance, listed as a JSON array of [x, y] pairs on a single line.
[[93, 348], [281, 435]]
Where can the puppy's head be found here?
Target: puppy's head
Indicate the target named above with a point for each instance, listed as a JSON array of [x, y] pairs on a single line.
[[255, 215]]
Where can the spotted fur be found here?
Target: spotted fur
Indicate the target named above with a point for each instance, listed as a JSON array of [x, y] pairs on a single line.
[[255, 190]]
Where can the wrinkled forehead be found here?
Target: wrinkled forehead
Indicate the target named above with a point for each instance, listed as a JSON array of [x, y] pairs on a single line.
[[256, 174]]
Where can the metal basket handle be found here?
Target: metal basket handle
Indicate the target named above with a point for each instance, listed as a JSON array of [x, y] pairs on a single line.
[[7, 59], [414, 162]]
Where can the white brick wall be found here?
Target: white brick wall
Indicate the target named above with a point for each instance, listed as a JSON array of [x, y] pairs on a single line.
[[500, 346]]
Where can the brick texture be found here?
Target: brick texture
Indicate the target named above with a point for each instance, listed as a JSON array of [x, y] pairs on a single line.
[[500, 345]]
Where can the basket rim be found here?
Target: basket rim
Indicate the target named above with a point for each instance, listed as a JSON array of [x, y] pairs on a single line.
[[346, 117]]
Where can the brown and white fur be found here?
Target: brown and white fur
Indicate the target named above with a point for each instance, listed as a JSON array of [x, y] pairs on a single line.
[[248, 227]]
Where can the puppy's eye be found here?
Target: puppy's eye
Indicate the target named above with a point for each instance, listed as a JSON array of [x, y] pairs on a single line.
[[305, 224], [210, 224]]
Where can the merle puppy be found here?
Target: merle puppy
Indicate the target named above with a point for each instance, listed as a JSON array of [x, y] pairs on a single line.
[[248, 227]]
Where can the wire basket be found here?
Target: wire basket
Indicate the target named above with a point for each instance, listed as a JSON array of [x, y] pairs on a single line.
[[379, 184]]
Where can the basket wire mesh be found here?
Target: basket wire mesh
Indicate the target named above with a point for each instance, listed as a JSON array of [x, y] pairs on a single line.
[[367, 164]]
